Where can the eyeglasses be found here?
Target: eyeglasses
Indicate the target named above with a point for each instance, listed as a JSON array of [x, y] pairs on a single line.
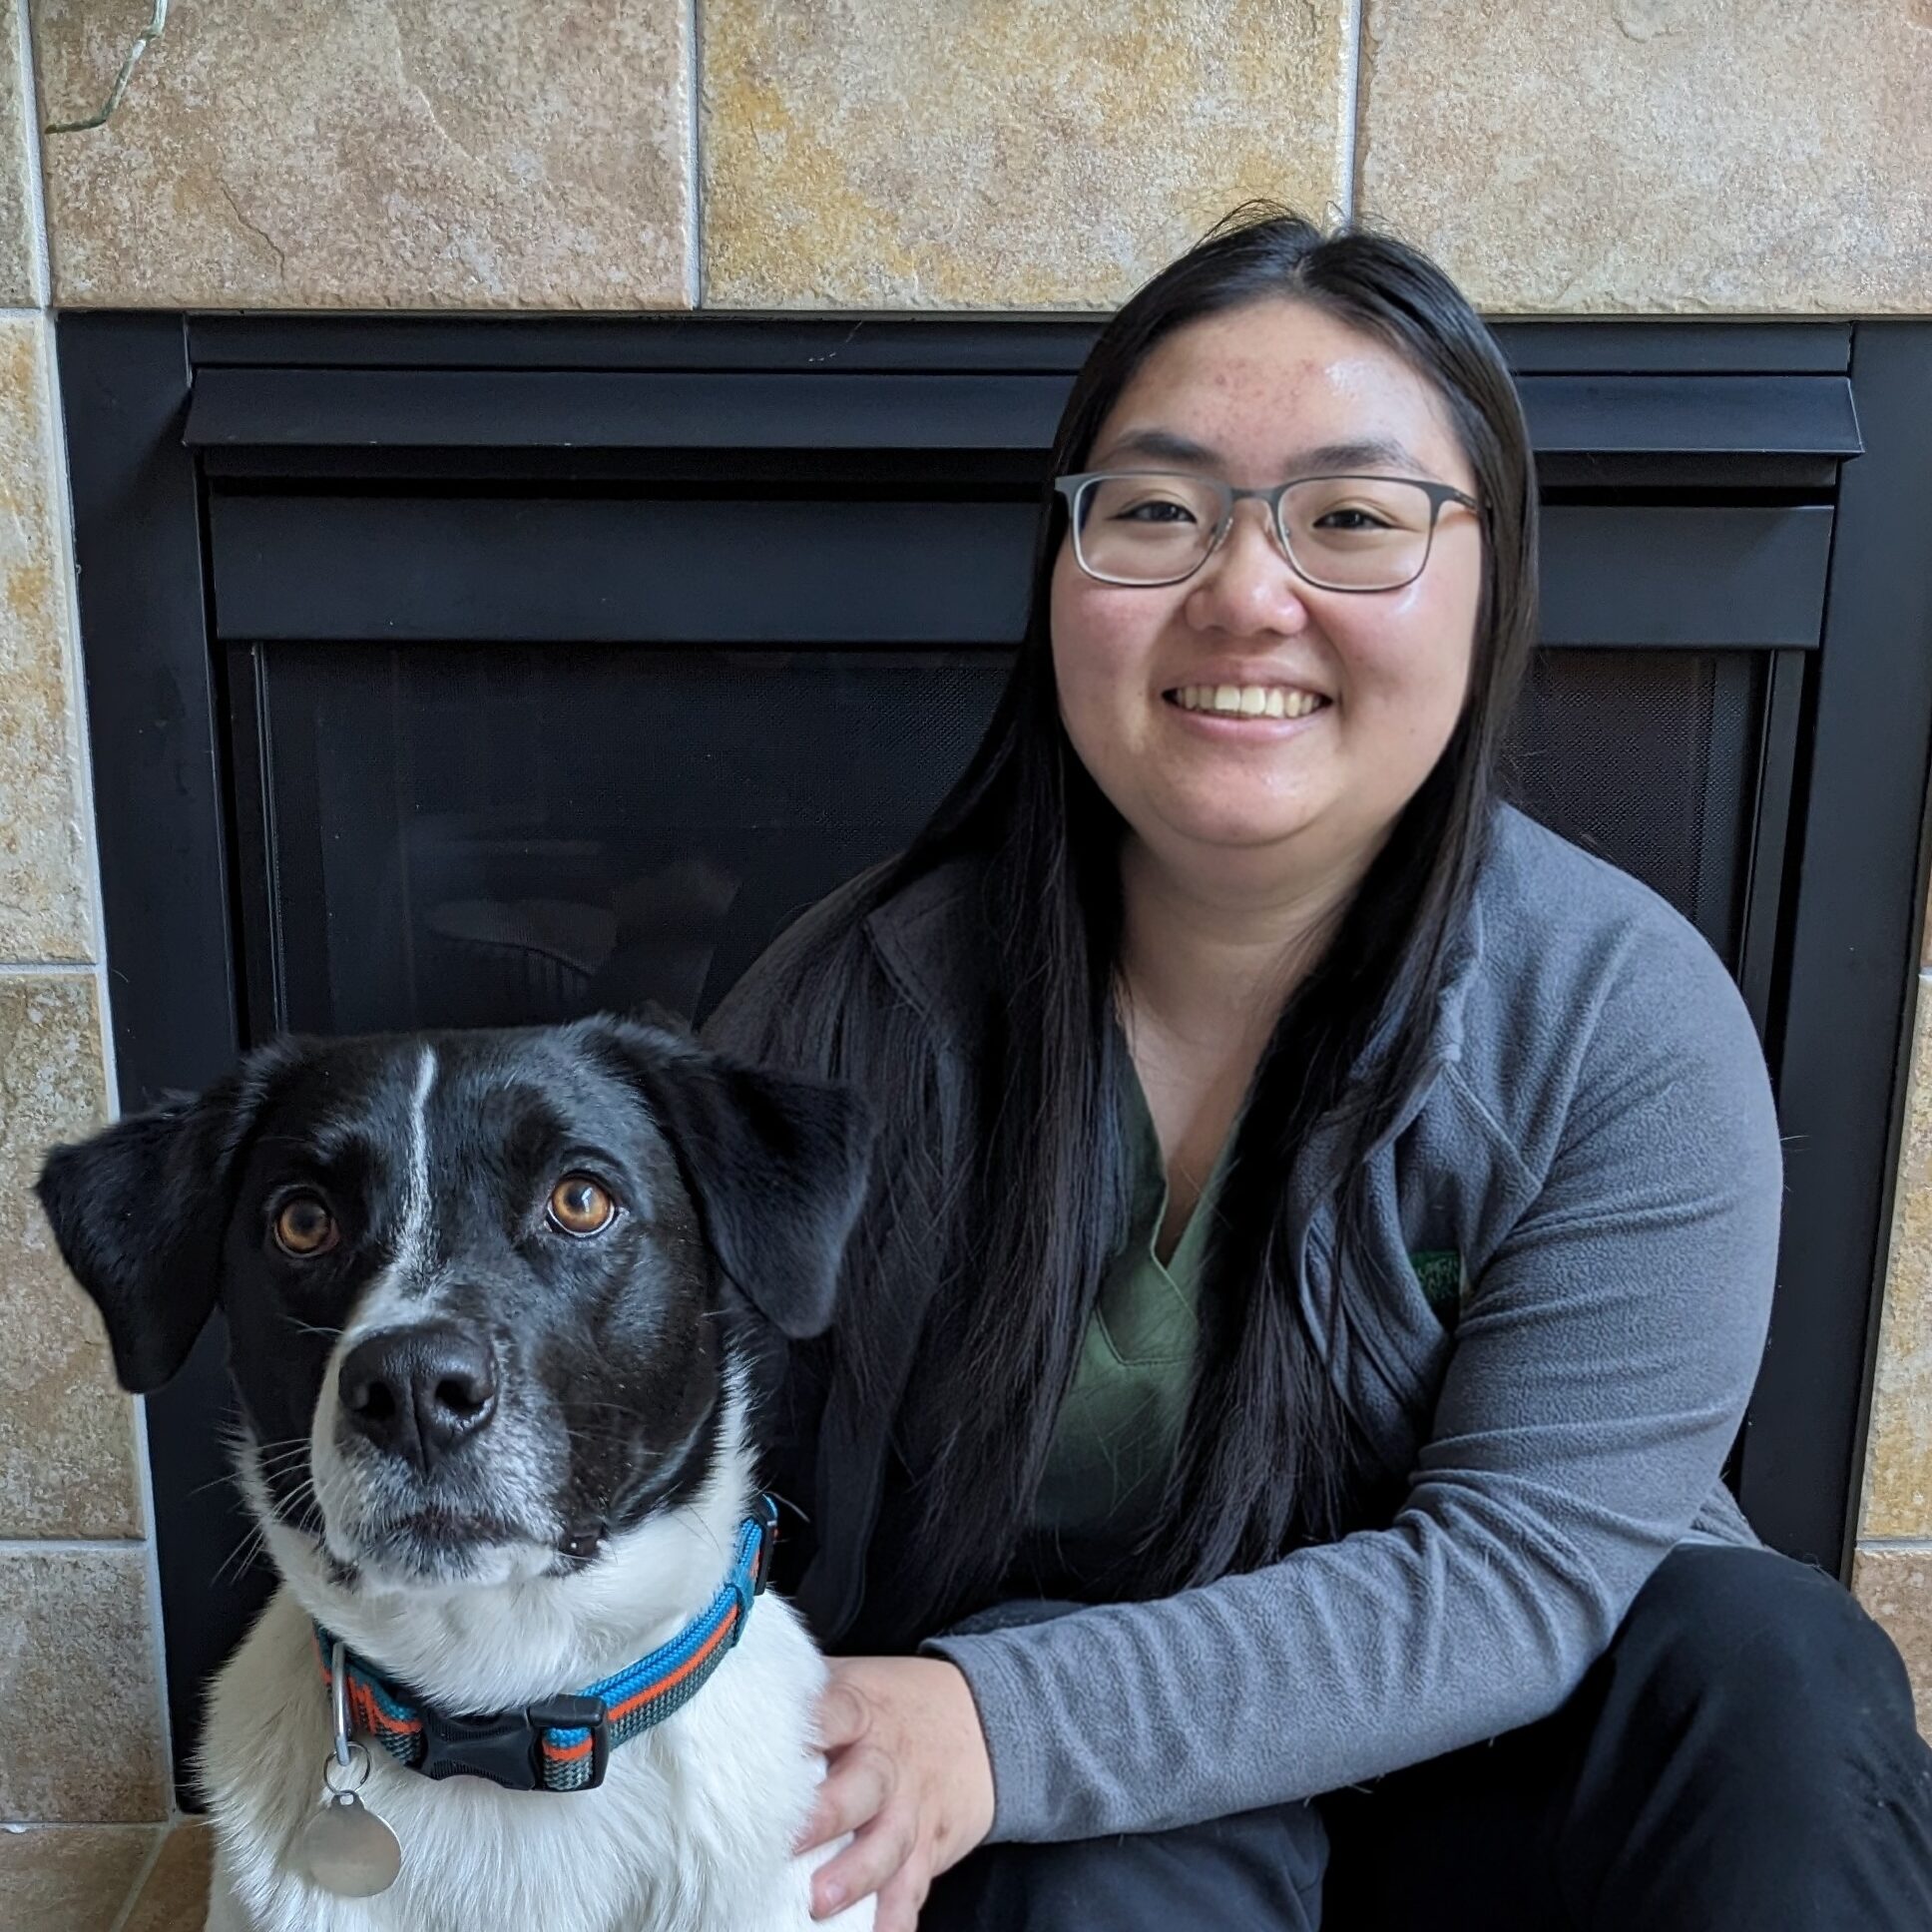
[[1339, 533]]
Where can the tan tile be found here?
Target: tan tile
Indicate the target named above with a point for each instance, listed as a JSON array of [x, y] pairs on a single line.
[[68, 1878], [1640, 156], [175, 1898], [67, 1451], [1008, 153], [384, 154], [1898, 1457], [1895, 1585], [75, 1648], [21, 284], [45, 905]]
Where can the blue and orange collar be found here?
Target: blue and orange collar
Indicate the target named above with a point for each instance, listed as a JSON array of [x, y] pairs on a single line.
[[563, 1743]]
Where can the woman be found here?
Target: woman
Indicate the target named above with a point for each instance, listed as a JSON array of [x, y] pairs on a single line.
[[1323, 1234]]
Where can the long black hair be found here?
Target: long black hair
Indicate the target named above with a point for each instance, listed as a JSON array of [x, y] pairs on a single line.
[[1268, 1458]]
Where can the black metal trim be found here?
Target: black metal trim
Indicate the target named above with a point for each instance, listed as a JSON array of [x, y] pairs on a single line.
[[868, 343], [1766, 867], [154, 708], [452, 410], [1859, 878]]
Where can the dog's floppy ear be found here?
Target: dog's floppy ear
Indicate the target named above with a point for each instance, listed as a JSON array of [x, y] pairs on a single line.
[[138, 1212], [778, 1164]]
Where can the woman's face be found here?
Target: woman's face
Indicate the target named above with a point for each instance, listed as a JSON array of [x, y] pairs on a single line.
[[1262, 394]]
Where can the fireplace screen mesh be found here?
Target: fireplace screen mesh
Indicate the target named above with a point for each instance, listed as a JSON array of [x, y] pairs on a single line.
[[492, 835]]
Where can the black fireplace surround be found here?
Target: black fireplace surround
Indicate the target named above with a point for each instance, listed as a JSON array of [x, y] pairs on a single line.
[[449, 672]]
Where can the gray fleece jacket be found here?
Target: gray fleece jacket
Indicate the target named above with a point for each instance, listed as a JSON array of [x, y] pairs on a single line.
[[1595, 1138]]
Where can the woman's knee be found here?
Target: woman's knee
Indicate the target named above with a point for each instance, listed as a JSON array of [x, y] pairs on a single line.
[[1765, 1650]]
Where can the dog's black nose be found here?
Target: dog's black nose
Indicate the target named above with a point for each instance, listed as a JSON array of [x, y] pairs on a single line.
[[417, 1392]]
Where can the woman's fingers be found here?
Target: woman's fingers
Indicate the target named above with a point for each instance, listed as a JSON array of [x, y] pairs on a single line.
[[874, 1856], [842, 1714], [857, 1782], [900, 1899]]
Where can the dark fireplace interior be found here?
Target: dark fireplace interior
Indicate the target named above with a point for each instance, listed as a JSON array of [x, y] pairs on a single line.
[[464, 672]]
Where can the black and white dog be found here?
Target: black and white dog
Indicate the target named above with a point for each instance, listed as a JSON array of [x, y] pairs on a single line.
[[489, 1297]]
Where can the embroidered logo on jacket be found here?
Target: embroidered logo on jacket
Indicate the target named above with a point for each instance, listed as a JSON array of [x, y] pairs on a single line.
[[1444, 1285]]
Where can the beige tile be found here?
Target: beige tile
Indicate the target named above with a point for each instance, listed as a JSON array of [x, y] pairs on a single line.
[[1896, 1587], [1898, 1457], [175, 1898], [1640, 156], [45, 901], [1007, 154], [384, 154], [75, 1649], [68, 1878], [67, 1452], [21, 283]]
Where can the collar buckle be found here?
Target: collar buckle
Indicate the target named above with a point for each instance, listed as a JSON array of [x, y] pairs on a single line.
[[507, 1746]]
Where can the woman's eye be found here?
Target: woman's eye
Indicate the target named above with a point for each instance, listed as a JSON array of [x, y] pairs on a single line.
[[1350, 520], [304, 1228], [581, 1206], [1157, 510]]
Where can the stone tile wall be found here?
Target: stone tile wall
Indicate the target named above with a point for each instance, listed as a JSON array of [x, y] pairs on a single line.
[[79, 1825], [1894, 1572], [1562, 157]]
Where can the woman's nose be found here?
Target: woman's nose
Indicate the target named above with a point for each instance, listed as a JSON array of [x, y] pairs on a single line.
[[1247, 584]]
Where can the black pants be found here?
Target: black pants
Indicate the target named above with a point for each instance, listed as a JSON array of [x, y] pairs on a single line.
[[1744, 1756]]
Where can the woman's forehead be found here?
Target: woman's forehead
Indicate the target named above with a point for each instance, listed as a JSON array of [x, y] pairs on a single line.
[[1275, 389]]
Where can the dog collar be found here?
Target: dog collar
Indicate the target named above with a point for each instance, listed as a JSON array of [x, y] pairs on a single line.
[[563, 1743]]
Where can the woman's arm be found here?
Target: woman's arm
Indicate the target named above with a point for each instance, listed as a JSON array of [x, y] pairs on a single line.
[[1599, 1377]]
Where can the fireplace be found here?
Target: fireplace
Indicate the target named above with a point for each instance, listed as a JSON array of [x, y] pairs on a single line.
[[472, 672]]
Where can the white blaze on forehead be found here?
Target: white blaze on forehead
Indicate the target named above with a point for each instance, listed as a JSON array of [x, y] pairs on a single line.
[[415, 1199], [381, 1304]]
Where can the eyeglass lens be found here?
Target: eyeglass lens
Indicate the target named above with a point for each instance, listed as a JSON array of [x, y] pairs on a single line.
[[1348, 533]]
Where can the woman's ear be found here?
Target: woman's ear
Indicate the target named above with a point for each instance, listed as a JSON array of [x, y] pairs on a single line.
[[140, 1212], [776, 1163]]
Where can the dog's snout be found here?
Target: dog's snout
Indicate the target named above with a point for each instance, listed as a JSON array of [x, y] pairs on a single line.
[[420, 1392]]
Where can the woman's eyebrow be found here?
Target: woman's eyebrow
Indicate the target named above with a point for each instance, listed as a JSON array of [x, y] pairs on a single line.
[[1364, 452]]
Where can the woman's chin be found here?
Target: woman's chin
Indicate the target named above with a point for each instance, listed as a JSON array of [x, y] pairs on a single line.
[[1220, 832]]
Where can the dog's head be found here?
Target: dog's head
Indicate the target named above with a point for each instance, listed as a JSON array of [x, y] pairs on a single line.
[[480, 1288]]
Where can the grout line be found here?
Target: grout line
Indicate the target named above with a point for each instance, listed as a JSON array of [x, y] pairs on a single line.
[[1913, 1545], [694, 184], [1351, 105], [48, 968], [30, 112], [119, 1922], [19, 1827], [67, 1546]]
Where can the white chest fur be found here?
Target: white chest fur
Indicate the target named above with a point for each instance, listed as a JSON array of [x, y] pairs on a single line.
[[690, 1832]]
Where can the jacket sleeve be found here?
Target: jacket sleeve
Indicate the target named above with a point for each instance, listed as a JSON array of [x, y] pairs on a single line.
[[1599, 1376]]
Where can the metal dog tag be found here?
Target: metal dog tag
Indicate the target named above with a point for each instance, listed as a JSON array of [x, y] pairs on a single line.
[[347, 1850]]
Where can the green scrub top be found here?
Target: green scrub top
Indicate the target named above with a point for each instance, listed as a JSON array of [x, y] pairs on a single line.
[[1119, 1429]]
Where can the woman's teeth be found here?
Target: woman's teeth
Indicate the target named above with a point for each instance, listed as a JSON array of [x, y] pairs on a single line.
[[1247, 701]]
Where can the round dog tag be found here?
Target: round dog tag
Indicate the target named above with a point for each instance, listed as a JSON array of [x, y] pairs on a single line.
[[347, 1850]]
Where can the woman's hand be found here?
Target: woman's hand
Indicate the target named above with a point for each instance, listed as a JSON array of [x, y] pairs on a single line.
[[906, 1773]]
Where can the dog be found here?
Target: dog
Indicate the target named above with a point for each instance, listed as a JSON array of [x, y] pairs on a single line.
[[493, 1300]]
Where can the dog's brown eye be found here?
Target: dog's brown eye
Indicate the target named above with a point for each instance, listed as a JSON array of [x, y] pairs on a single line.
[[305, 1226], [579, 1206]]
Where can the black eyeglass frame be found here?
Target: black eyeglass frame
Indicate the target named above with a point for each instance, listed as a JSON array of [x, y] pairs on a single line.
[[1438, 494]]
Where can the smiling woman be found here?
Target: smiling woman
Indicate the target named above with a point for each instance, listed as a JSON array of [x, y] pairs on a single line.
[[1326, 1231]]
